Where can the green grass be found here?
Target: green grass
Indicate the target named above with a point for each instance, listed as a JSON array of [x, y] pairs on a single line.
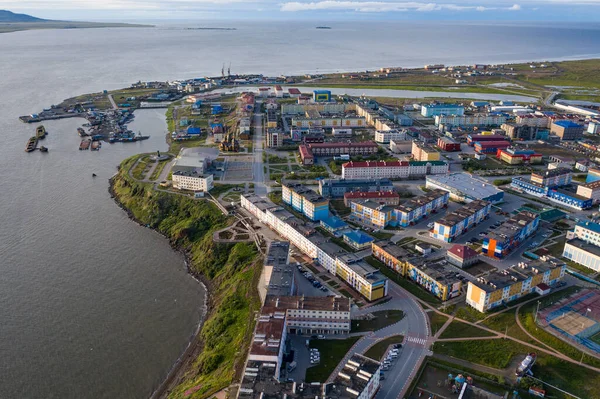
[[139, 170], [339, 207], [382, 235], [383, 318], [230, 271], [159, 168], [377, 351], [436, 321], [402, 282], [458, 329], [469, 314], [332, 352], [496, 353], [505, 323]]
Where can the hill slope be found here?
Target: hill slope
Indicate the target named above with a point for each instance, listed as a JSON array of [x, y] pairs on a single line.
[[9, 16]]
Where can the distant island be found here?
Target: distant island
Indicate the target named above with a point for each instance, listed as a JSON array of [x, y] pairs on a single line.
[[201, 28], [323, 27], [12, 22]]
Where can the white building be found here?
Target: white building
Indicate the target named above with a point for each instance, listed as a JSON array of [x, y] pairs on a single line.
[[190, 163], [401, 147], [582, 245], [338, 131], [470, 120], [385, 136], [392, 170], [594, 128], [192, 181]]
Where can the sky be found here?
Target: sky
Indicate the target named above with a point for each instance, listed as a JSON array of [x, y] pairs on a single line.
[[426, 10]]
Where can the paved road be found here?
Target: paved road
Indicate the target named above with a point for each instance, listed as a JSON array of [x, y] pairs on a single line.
[[112, 101], [257, 165]]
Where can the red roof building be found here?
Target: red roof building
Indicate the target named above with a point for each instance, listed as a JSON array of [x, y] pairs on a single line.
[[462, 256], [306, 155], [332, 149], [294, 92], [381, 197]]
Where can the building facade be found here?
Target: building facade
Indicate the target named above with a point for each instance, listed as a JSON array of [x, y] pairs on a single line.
[[431, 110], [501, 241], [384, 136], [336, 188], [417, 208], [517, 156], [470, 120], [183, 180], [590, 191], [491, 147], [381, 197], [305, 200], [567, 130], [448, 144], [460, 221], [424, 152], [393, 169]]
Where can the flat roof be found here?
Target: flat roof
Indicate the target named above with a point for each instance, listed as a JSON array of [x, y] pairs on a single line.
[[512, 226], [567, 123], [354, 377], [275, 303], [551, 173], [393, 249], [457, 216], [466, 184], [438, 271], [305, 192], [190, 161], [593, 185], [585, 246], [595, 227], [417, 202], [282, 274], [334, 222], [336, 145], [371, 194], [375, 205]]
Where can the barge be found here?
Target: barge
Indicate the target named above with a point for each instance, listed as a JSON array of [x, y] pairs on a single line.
[[31, 144]]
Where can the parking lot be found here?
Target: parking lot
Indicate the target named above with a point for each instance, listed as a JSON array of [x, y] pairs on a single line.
[[305, 285]]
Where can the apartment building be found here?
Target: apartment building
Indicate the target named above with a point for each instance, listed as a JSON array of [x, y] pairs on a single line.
[[470, 120], [361, 276], [305, 200], [501, 241], [520, 131], [553, 178], [460, 221], [381, 197], [417, 208], [566, 130], [336, 188], [384, 136], [372, 214], [431, 110], [518, 156], [337, 149], [590, 191], [392, 169], [498, 288], [424, 152]]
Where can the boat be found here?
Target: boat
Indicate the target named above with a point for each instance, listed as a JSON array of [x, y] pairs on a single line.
[[323, 27], [40, 132], [81, 132], [84, 145], [43, 149], [96, 145], [93, 175], [31, 144], [525, 366]]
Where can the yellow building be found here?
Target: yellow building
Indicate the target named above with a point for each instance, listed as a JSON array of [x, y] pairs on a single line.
[[424, 152], [391, 255], [501, 287], [361, 276]]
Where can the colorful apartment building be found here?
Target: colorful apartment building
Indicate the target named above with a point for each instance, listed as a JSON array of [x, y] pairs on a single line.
[[553, 178], [420, 207], [501, 241], [392, 169], [371, 213], [382, 197], [305, 200], [361, 276], [460, 221], [518, 156], [500, 287], [424, 152], [391, 255], [590, 191]]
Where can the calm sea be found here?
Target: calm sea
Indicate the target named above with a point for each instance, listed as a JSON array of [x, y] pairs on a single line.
[[93, 306]]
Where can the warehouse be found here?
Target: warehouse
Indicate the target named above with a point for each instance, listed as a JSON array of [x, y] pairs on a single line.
[[491, 147], [465, 187]]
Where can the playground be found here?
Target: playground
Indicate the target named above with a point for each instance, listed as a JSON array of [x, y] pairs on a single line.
[[576, 318]]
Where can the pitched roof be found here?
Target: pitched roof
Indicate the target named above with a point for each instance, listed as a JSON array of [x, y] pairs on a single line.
[[462, 251]]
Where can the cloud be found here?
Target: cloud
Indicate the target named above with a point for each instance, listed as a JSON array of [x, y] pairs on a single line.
[[381, 6]]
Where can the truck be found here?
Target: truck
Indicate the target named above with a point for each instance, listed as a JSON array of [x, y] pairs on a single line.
[[291, 366], [343, 157]]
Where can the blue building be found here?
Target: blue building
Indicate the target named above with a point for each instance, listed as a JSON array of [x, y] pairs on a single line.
[[501, 241], [570, 199], [334, 225], [321, 96], [431, 110], [305, 201], [193, 130], [216, 109], [358, 240], [529, 186]]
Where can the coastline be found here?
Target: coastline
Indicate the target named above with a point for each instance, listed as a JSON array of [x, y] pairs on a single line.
[[194, 345]]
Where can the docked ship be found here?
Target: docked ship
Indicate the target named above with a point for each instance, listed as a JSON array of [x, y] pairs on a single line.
[[43, 149], [96, 145], [40, 132], [525, 366], [84, 145], [81, 132], [127, 137], [31, 144]]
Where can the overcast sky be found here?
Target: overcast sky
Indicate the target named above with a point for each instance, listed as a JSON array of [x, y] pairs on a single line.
[[465, 10]]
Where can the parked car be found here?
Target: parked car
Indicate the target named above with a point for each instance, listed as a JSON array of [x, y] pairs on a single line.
[[320, 336]]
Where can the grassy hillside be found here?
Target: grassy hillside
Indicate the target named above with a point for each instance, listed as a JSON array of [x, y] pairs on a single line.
[[230, 271]]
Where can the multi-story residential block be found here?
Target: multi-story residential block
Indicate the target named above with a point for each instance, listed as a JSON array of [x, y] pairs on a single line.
[[391, 255], [392, 169], [553, 178], [436, 278], [431, 110], [480, 138], [469, 120], [372, 214], [188, 180], [517, 156], [278, 276], [336, 188], [583, 245], [417, 208], [448, 144], [424, 152], [465, 187], [336, 149], [536, 120], [460, 221], [305, 200], [501, 241], [462, 256], [520, 131], [567, 130], [358, 379], [508, 285], [590, 191], [384, 136], [381, 197], [361, 276]]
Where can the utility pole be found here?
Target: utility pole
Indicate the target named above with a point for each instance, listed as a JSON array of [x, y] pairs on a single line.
[[536, 312]]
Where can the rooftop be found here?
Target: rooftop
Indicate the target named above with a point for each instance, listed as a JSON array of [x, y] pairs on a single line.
[[282, 274], [358, 237], [305, 192], [375, 164], [436, 271], [593, 185], [336, 145], [513, 226], [585, 246], [189, 173], [371, 194], [567, 123], [488, 137], [551, 173], [334, 222], [417, 202], [595, 227], [463, 252], [355, 182], [354, 377], [274, 303], [457, 216], [393, 249], [466, 184]]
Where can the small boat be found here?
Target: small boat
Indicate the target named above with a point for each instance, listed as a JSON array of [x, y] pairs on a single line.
[[81, 132], [40, 132], [43, 149], [31, 144], [96, 145], [84, 145], [93, 175]]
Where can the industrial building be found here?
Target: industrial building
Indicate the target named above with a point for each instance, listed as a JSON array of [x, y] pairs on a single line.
[[381, 197], [336, 188], [501, 241], [460, 221], [431, 110], [305, 200], [417, 208], [448, 144], [424, 152], [566, 130], [491, 147], [465, 187], [498, 288], [519, 156], [392, 169]]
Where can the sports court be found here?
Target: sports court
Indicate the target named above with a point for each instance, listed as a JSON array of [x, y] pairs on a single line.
[[575, 318]]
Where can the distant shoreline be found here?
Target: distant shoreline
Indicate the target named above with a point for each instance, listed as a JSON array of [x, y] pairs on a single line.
[[7, 27]]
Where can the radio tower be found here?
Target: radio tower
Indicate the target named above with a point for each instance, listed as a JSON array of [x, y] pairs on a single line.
[[229, 70]]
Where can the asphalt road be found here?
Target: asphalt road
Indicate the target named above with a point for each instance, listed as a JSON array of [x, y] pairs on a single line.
[[257, 165]]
